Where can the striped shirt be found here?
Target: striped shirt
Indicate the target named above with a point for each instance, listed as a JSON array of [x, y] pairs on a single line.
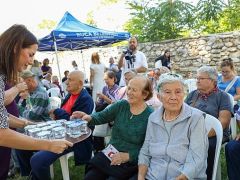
[[37, 106]]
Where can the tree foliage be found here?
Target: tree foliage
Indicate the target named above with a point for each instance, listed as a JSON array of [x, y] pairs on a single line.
[[47, 24], [154, 20], [90, 19]]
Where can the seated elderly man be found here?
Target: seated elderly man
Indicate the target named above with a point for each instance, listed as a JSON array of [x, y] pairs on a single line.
[[175, 145], [213, 101], [36, 107], [78, 99]]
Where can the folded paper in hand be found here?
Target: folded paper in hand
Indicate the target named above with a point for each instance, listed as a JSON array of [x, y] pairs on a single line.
[[109, 151]]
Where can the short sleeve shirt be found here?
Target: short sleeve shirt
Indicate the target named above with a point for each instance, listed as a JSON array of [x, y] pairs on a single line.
[[141, 60], [3, 112], [223, 85], [215, 103]]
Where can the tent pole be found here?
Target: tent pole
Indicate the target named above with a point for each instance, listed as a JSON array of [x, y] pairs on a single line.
[[83, 63], [59, 72]]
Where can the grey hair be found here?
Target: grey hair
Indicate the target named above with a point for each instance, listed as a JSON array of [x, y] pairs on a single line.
[[169, 78], [163, 70], [212, 72], [132, 71]]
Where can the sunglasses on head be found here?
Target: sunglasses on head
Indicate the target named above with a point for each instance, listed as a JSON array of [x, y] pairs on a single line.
[[174, 75], [227, 60]]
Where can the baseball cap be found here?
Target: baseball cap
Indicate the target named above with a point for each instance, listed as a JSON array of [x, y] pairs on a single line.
[[26, 74]]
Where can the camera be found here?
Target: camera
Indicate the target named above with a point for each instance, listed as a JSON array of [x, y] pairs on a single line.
[[130, 58]]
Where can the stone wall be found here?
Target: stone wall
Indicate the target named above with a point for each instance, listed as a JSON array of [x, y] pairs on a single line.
[[188, 54]]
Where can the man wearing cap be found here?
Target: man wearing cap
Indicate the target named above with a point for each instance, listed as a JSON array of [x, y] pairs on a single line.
[[35, 109], [37, 104]]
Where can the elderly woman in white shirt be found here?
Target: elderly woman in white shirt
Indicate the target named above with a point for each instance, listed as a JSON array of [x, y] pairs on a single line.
[[176, 143]]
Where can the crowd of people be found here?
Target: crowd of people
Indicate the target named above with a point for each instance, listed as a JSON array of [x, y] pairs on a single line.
[[158, 128]]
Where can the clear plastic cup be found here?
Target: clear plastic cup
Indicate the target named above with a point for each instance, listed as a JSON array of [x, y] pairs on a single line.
[[84, 127], [50, 122], [46, 128], [74, 130], [40, 125], [66, 125], [62, 121], [26, 128], [44, 135], [58, 133], [33, 132]]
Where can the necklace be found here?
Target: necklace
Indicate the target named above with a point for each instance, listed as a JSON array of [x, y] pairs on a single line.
[[168, 120], [131, 116], [139, 112]]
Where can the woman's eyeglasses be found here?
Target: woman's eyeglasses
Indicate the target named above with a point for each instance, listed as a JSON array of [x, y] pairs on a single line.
[[174, 75]]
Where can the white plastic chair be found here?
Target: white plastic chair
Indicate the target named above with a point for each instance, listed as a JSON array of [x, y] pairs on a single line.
[[233, 122], [64, 165], [192, 84], [233, 127], [213, 123], [51, 172], [54, 92], [55, 102]]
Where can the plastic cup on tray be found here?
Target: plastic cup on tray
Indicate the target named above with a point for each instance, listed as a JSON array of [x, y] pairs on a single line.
[[44, 135], [33, 132], [58, 132]]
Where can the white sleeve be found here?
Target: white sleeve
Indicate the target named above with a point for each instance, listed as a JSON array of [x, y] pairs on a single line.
[[144, 60]]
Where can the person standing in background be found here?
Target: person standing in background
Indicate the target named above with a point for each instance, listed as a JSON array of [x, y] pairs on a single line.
[[164, 60], [35, 69], [65, 76], [112, 66], [96, 75], [132, 59], [75, 66], [45, 67]]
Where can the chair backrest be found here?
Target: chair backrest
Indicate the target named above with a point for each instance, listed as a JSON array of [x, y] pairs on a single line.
[[192, 84], [232, 100], [213, 123], [55, 102], [233, 122], [54, 92]]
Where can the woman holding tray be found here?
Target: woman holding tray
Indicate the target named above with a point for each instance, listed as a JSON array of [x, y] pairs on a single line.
[[17, 49], [130, 122]]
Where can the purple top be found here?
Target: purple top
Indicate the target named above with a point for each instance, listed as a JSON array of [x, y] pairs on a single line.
[[12, 107], [110, 93], [45, 69]]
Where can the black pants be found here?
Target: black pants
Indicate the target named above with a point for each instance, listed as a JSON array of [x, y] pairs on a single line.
[[211, 155], [100, 167], [98, 143]]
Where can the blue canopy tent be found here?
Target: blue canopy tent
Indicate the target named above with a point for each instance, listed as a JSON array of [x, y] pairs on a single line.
[[71, 34]]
